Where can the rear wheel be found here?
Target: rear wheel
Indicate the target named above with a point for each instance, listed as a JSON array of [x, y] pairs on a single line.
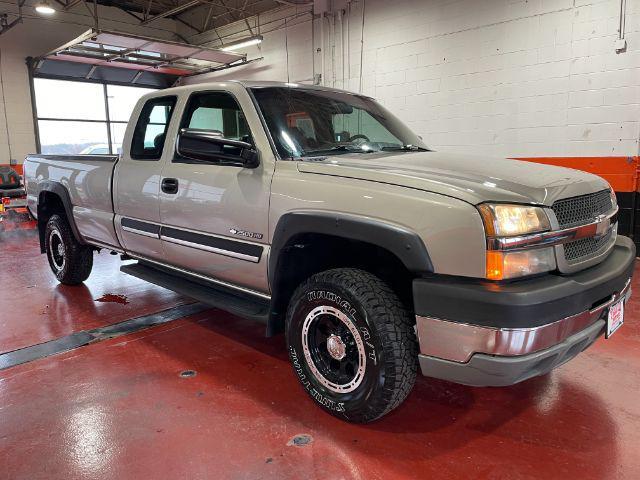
[[70, 261], [352, 344]]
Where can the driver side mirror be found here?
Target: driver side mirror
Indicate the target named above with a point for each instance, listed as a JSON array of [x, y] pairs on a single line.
[[206, 146]]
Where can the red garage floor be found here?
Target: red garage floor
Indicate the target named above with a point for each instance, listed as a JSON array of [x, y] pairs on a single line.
[[118, 409], [49, 310]]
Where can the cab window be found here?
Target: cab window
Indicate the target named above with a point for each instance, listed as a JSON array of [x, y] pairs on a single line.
[[151, 129], [218, 112]]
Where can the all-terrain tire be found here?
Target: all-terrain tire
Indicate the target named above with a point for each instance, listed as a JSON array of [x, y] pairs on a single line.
[[352, 344], [70, 261]]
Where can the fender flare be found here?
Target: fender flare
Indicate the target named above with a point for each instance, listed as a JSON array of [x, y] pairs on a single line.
[[62, 192], [402, 242]]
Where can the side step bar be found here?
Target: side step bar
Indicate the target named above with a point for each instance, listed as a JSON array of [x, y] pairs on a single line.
[[245, 306]]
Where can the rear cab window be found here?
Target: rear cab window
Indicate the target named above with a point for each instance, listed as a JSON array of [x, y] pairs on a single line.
[[150, 132]]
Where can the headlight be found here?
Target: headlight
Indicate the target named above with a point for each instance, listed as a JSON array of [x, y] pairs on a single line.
[[504, 265], [503, 220]]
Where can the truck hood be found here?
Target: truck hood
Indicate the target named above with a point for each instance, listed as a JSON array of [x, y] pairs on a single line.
[[474, 179]]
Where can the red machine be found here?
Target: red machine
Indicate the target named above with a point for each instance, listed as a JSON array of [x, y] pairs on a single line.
[[13, 207]]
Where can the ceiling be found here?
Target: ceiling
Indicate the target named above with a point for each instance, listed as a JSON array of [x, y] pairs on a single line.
[[101, 55], [215, 13]]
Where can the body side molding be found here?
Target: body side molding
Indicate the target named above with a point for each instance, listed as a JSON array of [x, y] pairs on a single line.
[[215, 244], [140, 227], [77, 158], [201, 241]]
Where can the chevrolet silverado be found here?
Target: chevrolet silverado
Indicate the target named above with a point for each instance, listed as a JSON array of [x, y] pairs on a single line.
[[319, 213]]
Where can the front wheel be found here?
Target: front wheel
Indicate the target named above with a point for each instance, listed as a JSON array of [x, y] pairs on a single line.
[[352, 344], [70, 261]]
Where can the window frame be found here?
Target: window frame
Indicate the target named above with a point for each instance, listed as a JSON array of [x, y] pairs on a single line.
[[107, 121], [184, 120], [152, 157]]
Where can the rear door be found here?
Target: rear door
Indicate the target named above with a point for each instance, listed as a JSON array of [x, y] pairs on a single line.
[[137, 177], [215, 220]]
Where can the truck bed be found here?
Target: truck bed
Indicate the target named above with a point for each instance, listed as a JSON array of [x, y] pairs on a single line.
[[88, 179]]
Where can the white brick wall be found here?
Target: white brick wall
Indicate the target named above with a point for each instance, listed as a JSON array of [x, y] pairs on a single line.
[[511, 78], [502, 77]]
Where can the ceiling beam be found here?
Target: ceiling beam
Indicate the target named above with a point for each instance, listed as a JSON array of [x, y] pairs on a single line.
[[147, 11], [187, 24], [224, 14], [233, 15], [173, 11], [5, 25], [227, 7], [129, 12], [176, 18], [207, 18], [72, 3]]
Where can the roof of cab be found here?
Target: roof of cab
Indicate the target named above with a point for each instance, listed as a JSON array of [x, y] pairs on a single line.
[[245, 83]]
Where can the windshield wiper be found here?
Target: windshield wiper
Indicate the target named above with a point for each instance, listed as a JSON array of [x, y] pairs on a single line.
[[406, 148], [339, 148]]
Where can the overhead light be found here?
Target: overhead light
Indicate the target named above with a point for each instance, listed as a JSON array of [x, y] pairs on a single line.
[[245, 42], [45, 8]]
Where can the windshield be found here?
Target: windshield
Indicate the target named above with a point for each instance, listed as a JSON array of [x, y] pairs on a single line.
[[309, 122]]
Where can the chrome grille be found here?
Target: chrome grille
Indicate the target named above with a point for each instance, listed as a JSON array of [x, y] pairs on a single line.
[[576, 251], [581, 210]]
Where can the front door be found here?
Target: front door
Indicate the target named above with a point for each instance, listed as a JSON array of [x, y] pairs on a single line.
[[215, 216]]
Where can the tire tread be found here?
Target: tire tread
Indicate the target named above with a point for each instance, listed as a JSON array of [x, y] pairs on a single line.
[[394, 326], [79, 257]]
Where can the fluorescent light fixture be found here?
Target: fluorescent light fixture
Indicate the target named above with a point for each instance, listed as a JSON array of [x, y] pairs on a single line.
[[245, 42], [44, 8]]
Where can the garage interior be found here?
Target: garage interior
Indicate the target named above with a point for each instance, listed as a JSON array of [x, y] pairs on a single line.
[[119, 378]]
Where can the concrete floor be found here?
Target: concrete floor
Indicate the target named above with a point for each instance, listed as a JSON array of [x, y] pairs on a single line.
[[118, 409]]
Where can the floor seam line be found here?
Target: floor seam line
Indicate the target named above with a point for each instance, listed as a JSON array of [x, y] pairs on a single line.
[[87, 337]]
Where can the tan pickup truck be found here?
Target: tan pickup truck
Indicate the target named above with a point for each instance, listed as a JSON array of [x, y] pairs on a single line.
[[320, 213]]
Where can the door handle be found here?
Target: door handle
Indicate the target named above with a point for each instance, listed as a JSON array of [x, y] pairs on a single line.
[[169, 185]]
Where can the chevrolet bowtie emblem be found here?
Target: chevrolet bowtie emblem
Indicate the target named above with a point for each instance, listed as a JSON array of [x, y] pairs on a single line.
[[603, 224]]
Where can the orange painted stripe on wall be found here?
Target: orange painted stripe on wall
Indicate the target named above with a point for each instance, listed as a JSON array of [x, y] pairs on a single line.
[[620, 172]]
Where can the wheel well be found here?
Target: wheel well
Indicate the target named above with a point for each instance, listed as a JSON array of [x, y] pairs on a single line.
[[310, 253], [49, 204]]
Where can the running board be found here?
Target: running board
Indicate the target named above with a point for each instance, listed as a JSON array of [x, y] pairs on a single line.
[[245, 306]]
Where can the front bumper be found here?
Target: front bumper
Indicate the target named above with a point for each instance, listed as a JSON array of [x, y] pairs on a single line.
[[487, 334]]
